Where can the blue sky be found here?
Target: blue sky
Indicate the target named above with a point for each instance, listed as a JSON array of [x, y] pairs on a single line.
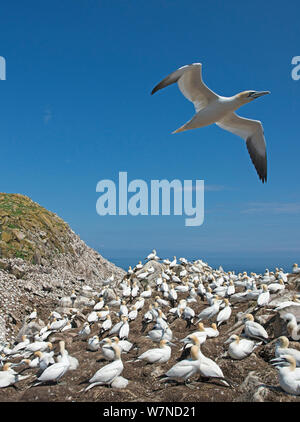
[[76, 108]]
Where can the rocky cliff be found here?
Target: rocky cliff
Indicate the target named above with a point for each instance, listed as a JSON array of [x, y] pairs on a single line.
[[41, 257]]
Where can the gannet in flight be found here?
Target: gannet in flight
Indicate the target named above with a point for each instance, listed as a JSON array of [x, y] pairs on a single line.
[[212, 108]]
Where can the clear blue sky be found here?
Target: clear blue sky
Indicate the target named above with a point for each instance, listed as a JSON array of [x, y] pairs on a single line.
[[76, 108]]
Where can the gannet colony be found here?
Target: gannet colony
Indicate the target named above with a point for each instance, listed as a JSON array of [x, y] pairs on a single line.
[[168, 330]]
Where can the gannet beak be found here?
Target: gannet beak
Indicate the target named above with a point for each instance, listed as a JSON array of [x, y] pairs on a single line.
[[260, 94]]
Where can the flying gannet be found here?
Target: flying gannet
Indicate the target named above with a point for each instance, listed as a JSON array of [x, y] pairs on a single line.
[[212, 108]]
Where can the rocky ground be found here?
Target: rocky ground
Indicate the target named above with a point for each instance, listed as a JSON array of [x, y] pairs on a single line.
[[253, 379]]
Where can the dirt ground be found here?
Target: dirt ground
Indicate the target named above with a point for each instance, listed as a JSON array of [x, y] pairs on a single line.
[[253, 379]]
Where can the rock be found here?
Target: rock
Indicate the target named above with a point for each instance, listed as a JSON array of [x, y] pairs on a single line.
[[17, 271]]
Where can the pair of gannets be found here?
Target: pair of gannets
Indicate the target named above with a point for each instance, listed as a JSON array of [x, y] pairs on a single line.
[[197, 363]]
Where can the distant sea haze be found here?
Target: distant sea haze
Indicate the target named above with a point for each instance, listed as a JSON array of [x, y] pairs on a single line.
[[237, 264]]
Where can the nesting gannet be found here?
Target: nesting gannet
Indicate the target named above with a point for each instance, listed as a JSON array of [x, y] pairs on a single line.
[[64, 354], [240, 348], [282, 348], [292, 327], [124, 345], [207, 367], [184, 369], [9, 377], [38, 345], [159, 333], [212, 108], [147, 292], [289, 375], [224, 314], [85, 331], [132, 314], [152, 256], [254, 329], [107, 374], [93, 344], [20, 346], [157, 355], [264, 297], [99, 305], [210, 311], [106, 349], [106, 325], [44, 359], [296, 269], [53, 373]]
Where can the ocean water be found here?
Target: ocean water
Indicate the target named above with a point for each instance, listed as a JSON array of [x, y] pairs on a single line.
[[237, 264]]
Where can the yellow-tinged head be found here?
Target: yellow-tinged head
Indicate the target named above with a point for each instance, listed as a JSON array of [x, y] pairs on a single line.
[[283, 341]]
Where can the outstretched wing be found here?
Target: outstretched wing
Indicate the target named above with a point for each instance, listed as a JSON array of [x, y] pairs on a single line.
[[252, 132], [189, 79]]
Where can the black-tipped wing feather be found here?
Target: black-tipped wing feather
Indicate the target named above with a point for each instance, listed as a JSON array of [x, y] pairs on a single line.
[[252, 132]]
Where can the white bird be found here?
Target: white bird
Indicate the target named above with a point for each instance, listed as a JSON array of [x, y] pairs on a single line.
[[9, 377], [212, 108], [20, 346], [296, 269], [106, 349], [124, 345], [64, 354], [147, 292], [157, 355], [184, 369], [85, 331], [53, 373], [240, 348], [44, 359], [210, 311], [212, 331], [38, 345], [254, 329], [99, 305], [107, 374], [152, 255], [264, 297], [282, 348], [292, 327], [289, 374], [93, 344], [106, 325]]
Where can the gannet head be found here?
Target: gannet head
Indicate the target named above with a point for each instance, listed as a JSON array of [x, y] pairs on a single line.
[[248, 317], [285, 361], [248, 96], [232, 338], [283, 342]]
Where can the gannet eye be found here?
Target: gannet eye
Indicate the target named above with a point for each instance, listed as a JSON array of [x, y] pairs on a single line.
[[251, 93]]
